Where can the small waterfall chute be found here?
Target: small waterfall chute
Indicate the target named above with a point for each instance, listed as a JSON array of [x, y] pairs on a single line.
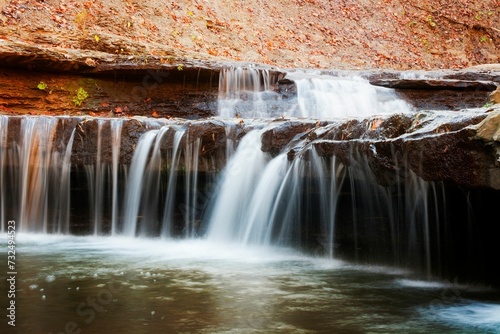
[[327, 97], [171, 185], [116, 132], [37, 169], [245, 92], [135, 182]]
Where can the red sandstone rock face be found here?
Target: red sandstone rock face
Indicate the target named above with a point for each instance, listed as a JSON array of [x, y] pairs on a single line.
[[145, 93]]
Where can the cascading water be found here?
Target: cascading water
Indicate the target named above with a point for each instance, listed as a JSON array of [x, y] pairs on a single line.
[[65, 189], [190, 209], [263, 198], [172, 186], [245, 92], [103, 178], [35, 156], [243, 182], [157, 181], [236, 188], [98, 179], [135, 184], [329, 198], [35, 176], [398, 213], [116, 131], [324, 96], [260, 198]]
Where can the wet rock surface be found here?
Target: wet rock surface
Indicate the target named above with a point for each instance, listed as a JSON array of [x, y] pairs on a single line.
[[438, 151], [461, 149], [275, 139]]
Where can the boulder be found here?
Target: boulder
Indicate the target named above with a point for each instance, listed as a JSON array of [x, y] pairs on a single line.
[[495, 96]]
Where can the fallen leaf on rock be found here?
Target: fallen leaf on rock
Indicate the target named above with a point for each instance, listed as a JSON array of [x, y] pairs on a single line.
[[91, 62], [375, 124]]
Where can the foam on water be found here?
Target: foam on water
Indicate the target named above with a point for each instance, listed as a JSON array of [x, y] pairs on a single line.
[[154, 250], [471, 314], [455, 286], [421, 284]]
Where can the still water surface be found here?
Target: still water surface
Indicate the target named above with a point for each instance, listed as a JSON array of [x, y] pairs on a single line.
[[119, 285]]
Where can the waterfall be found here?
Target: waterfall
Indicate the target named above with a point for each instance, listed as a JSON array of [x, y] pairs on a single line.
[[116, 131], [326, 97], [236, 187], [399, 214], [329, 197], [36, 156], [249, 93], [65, 189], [34, 176], [151, 187], [189, 209], [318, 203], [171, 186], [261, 199], [103, 177], [135, 182], [264, 200], [99, 181], [150, 169], [245, 92]]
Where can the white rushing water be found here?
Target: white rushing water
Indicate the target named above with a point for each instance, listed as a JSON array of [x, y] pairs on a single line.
[[237, 187], [326, 97], [245, 92], [116, 134], [261, 198], [249, 93], [135, 184], [43, 173]]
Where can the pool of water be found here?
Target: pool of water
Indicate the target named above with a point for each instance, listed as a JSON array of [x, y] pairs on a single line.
[[120, 285]]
